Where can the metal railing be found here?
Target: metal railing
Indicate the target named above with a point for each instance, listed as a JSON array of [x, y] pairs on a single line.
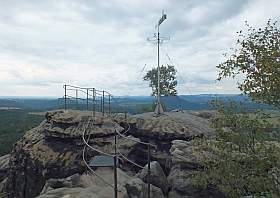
[[94, 98], [87, 98]]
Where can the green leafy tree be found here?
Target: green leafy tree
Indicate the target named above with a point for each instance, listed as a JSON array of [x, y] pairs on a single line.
[[257, 56], [244, 157], [168, 80], [245, 154]]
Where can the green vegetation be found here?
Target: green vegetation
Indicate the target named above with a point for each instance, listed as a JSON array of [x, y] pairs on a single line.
[[168, 81], [244, 158], [257, 56], [13, 125]]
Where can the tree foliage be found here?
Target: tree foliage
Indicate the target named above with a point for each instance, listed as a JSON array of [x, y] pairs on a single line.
[[245, 155], [257, 56], [168, 81]]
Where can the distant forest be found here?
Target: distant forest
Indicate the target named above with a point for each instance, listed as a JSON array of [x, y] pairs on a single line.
[[18, 115], [133, 104]]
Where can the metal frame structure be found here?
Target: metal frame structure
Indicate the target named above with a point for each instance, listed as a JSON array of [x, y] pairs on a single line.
[[118, 135]]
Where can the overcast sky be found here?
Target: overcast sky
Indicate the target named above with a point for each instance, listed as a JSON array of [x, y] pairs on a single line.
[[103, 44]]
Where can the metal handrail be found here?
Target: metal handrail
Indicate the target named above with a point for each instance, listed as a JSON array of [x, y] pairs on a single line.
[[92, 96], [86, 142]]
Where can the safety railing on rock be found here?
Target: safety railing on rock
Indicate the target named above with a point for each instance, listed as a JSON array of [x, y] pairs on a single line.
[[94, 98], [91, 99]]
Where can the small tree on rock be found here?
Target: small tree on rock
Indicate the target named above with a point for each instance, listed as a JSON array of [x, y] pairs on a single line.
[[168, 80]]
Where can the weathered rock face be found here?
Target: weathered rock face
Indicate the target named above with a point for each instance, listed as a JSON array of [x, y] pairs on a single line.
[[53, 150], [185, 161], [157, 177], [86, 186], [4, 165], [136, 188]]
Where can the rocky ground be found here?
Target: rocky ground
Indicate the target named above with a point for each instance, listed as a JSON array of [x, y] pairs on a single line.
[[47, 161]]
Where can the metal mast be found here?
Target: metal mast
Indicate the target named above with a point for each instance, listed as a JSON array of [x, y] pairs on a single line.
[[159, 110]]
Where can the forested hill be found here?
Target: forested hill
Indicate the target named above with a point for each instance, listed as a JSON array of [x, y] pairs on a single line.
[[135, 104]]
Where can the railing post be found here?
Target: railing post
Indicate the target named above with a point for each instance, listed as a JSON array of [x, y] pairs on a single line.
[[87, 99], [109, 104], [65, 95], [93, 103], [149, 171], [103, 103], [77, 99], [115, 168]]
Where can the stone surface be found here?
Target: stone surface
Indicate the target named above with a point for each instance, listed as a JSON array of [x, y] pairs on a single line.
[[3, 184], [4, 165], [51, 152], [71, 124], [82, 186], [171, 126], [157, 177], [185, 161], [136, 188], [41, 154]]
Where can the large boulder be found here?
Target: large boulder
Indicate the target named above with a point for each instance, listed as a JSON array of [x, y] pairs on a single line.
[[136, 188], [86, 185], [186, 161], [170, 126], [157, 177]]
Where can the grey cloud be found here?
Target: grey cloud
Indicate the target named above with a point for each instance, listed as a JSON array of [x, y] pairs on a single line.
[[103, 43]]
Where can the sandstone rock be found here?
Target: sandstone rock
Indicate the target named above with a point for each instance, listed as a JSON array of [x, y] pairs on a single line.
[[53, 150], [77, 192], [71, 124], [157, 177], [171, 126], [185, 161], [4, 165], [41, 154], [3, 186], [69, 182], [136, 188], [87, 185]]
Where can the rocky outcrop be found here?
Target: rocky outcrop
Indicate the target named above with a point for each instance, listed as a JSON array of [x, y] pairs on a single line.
[[136, 188], [4, 165], [86, 185], [157, 176], [185, 161], [43, 159], [54, 150], [170, 126]]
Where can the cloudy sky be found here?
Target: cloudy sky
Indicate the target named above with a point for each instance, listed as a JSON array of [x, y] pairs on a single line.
[[103, 44]]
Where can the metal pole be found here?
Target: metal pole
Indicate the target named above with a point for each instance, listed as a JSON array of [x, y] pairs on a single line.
[[65, 95], [100, 104], [115, 168], [158, 93], [87, 99], [93, 103], [77, 98], [103, 103], [149, 171], [109, 104]]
